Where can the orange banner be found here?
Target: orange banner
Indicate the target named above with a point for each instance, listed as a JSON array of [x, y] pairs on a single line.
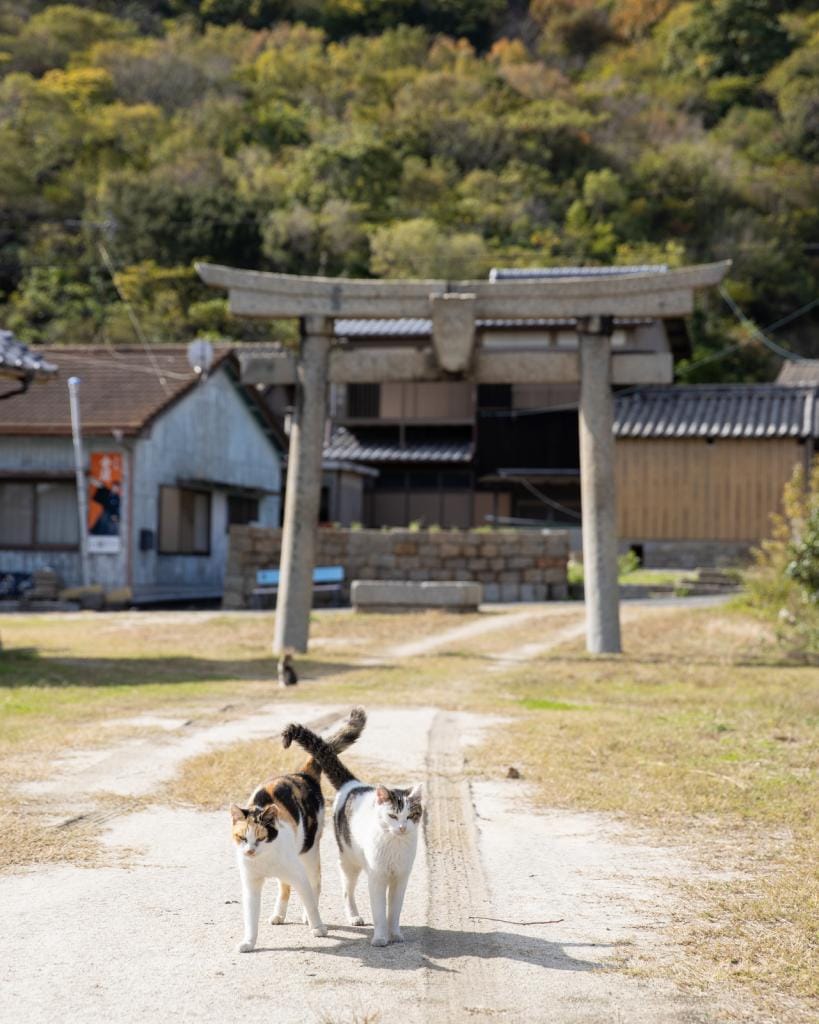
[[104, 499]]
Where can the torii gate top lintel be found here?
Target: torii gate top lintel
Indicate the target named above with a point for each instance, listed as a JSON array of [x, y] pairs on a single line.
[[256, 293]]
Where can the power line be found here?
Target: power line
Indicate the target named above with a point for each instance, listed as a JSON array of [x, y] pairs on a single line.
[[109, 266], [137, 368], [770, 327], [784, 353], [791, 316]]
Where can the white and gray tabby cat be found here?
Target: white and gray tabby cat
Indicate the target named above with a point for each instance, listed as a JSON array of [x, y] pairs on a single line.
[[377, 832], [277, 835]]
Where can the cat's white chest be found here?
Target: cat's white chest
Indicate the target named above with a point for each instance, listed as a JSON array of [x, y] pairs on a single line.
[[390, 854]]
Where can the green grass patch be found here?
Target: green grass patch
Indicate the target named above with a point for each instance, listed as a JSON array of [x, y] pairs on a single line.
[[544, 704]]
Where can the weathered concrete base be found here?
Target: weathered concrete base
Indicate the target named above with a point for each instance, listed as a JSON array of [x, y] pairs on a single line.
[[394, 595]]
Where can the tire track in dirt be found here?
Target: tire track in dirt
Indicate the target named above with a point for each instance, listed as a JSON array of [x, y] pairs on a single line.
[[462, 975]]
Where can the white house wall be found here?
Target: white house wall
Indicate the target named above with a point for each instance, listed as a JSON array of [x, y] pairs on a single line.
[[56, 455], [208, 435]]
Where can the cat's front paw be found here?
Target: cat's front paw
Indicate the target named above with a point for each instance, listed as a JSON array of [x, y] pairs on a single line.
[[379, 940], [396, 936], [245, 947], [277, 919], [359, 920], [320, 932]]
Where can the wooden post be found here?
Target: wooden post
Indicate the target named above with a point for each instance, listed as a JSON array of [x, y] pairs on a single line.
[[303, 495], [596, 424]]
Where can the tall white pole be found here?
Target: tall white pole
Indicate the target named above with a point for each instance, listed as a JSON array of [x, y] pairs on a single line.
[[79, 473]]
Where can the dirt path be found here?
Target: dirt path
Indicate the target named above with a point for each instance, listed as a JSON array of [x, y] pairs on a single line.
[[502, 620], [510, 915]]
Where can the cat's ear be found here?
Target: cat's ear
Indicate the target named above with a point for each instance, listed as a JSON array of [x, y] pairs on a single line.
[[416, 794], [382, 794], [237, 812], [270, 813]]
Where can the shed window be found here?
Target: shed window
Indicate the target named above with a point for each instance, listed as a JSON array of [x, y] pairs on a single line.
[[38, 514], [184, 521], [56, 519]]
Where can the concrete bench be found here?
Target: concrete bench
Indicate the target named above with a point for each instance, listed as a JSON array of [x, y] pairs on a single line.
[[327, 579], [400, 595]]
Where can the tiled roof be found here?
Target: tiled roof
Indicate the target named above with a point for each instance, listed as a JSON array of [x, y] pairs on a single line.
[[19, 361], [344, 445], [799, 372], [119, 390], [533, 273], [717, 410], [418, 327], [401, 327]]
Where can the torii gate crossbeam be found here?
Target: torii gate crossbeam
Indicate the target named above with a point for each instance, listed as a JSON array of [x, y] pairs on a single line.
[[453, 307]]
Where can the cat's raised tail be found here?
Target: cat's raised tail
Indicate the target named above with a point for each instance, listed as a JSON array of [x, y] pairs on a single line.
[[325, 752]]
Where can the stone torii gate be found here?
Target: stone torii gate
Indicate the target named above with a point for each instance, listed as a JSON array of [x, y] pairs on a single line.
[[453, 307]]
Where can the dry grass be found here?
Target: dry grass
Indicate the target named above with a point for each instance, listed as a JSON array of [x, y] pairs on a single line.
[[699, 734], [26, 840], [218, 778]]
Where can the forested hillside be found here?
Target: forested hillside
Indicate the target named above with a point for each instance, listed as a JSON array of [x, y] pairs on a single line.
[[400, 138]]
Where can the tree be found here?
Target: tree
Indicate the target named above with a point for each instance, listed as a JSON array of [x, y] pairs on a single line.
[[732, 37], [49, 38], [419, 248]]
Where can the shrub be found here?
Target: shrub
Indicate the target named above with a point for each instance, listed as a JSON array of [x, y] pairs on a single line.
[[804, 565], [628, 563], [784, 581]]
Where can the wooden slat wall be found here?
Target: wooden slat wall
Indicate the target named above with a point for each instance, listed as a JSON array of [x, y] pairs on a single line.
[[692, 490]]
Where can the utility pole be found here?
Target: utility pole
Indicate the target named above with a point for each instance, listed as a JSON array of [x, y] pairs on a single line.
[[79, 474]]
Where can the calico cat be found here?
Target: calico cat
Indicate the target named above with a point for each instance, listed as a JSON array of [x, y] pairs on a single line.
[[376, 831], [278, 833]]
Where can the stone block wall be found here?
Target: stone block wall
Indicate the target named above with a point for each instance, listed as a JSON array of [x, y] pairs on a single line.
[[512, 565]]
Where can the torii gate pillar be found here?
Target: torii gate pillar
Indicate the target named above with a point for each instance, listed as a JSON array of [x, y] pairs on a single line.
[[302, 495], [597, 498]]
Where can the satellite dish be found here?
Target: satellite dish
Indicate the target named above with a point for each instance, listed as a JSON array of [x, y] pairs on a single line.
[[200, 356]]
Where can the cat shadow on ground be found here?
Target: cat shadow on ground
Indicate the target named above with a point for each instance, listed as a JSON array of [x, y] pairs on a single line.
[[424, 947]]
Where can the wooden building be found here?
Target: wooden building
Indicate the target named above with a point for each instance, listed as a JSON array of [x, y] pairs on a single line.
[[457, 453], [700, 469]]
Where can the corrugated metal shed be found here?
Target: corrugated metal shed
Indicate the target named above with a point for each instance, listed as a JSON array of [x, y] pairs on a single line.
[[718, 410], [344, 445], [800, 372]]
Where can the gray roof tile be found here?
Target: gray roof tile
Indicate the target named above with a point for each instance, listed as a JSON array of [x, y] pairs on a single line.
[[19, 361], [345, 446], [533, 273], [718, 410], [418, 327]]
